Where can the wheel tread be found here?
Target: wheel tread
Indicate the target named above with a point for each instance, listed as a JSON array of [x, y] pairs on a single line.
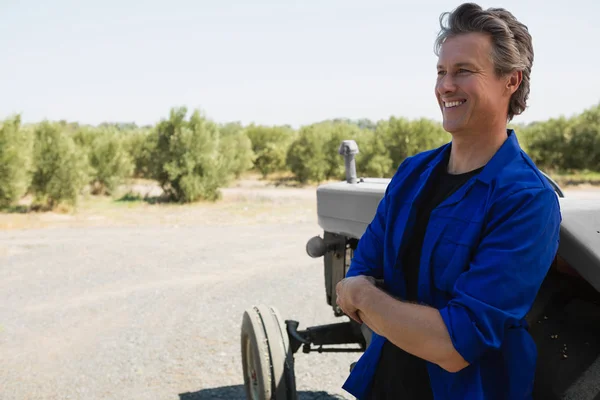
[[263, 327]]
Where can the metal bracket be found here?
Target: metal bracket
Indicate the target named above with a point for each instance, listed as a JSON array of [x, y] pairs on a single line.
[[331, 334]]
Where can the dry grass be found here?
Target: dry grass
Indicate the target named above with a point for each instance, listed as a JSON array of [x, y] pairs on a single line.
[[568, 179], [249, 200]]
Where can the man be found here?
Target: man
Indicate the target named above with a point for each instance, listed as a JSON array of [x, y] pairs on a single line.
[[463, 237]]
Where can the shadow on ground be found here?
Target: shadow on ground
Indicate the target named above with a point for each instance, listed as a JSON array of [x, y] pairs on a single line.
[[17, 209], [237, 393], [135, 197], [288, 181]]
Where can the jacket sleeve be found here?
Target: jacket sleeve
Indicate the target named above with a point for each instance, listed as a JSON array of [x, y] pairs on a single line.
[[368, 256], [506, 271]]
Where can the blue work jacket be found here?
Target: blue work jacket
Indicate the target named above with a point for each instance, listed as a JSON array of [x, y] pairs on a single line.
[[486, 251]]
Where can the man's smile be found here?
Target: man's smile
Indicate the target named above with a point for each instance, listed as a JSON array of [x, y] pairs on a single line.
[[453, 104]]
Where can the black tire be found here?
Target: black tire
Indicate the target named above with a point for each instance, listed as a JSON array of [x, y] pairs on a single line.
[[267, 360]]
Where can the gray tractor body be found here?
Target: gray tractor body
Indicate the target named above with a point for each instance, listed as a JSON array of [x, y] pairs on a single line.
[[347, 209], [567, 305], [564, 320]]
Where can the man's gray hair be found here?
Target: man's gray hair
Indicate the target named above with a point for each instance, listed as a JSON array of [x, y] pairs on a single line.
[[512, 47]]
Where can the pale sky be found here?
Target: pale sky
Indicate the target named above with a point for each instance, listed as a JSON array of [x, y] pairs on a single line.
[[265, 61]]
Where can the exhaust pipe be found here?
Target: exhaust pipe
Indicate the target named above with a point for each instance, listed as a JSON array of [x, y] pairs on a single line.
[[349, 149]]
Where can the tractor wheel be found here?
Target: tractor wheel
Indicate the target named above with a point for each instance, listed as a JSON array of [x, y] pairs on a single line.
[[267, 360]]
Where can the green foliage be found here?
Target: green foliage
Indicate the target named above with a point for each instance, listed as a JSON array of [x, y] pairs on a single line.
[[140, 145], [119, 126], [307, 157], [362, 124], [405, 138], [60, 169], [108, 151], [192, 158], [235, 147], [15, 160], [270, 146], [314, 155], [231, 128], [83, 136], [565, 144], [110, 162], [584, 141], [546, 142], [373, 160], [186, 159]]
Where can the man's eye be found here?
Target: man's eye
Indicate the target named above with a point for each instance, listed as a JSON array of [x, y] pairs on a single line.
[[462, 71], [441, 73]]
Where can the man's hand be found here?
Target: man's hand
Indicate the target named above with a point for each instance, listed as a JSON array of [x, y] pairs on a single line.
[[347, 292]]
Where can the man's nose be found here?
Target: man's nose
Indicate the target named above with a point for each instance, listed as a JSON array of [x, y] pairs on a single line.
[[446, 84]]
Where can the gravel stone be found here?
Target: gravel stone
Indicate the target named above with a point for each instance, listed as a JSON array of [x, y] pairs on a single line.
[[154, 312]]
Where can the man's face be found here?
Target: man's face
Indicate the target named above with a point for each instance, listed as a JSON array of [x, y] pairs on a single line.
[[472, 98]]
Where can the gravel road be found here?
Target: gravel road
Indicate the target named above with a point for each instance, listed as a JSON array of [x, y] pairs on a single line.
[[153, 311]]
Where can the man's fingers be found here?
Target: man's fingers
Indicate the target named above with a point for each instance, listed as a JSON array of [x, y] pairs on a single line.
[[351, 314], [341, 301], [355, 317]]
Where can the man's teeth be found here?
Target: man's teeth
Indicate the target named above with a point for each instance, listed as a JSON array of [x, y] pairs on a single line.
[[453, 104]]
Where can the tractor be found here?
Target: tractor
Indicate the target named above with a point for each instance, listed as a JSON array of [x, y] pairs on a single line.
[[567, 305]]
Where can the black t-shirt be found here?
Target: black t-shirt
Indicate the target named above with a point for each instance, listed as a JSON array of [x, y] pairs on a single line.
[[401, 375]]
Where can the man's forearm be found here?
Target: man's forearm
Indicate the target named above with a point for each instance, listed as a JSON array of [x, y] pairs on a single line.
[[415, 328]]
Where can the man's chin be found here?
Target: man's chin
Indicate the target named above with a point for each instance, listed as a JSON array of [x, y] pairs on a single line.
[[452, 127]]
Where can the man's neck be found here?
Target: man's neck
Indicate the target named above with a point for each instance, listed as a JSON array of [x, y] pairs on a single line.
[[474, 151]]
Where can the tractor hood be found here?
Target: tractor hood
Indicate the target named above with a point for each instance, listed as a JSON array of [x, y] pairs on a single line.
[[347, 209]]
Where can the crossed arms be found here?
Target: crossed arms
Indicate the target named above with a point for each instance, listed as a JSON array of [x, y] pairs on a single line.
[[495, 291]]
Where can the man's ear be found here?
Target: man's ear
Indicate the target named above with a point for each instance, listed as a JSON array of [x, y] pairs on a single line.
[[514, 81]]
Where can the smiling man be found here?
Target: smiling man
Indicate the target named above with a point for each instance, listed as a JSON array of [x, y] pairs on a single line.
[[463, 236]]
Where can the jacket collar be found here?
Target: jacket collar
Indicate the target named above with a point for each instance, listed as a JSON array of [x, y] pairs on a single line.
[[509, 150], [505, 154]]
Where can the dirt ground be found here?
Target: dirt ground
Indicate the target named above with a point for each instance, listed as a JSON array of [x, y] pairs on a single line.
[[141, 301]]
